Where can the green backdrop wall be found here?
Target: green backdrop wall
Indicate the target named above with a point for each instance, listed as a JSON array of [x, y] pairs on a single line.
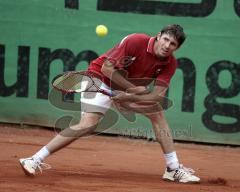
[[41, 38]]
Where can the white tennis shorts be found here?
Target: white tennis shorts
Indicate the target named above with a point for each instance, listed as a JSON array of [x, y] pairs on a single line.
[[94, 101]]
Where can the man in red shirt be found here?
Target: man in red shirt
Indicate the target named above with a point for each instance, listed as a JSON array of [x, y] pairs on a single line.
[[137, 56]]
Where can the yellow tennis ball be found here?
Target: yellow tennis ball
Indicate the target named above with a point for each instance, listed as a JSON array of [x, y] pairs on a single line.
[[101, 30]]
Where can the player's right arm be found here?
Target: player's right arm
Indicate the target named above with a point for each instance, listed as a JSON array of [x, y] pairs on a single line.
[[117, 59], [109, 70], [114, 75]]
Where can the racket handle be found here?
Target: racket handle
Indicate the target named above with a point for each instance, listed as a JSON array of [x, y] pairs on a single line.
[[108, 93]]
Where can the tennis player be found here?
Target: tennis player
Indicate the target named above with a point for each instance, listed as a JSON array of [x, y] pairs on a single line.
[[152, 57]]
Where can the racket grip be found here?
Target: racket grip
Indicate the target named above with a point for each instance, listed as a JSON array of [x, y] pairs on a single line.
[[108, 93], [112, 94]]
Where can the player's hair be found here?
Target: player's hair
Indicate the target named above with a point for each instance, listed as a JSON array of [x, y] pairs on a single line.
[[175, 30]]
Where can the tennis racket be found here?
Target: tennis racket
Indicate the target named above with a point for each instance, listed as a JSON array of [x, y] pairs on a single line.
[[77, 82]]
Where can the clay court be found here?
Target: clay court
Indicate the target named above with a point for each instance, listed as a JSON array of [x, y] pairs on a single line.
[[116, 164]]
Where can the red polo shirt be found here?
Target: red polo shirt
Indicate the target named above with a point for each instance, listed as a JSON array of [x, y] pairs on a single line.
[[135, 55]]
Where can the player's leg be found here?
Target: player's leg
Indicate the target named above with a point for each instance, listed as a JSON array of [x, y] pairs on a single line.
[[162, 131], [94, 106], [174, 170], [87, 125]]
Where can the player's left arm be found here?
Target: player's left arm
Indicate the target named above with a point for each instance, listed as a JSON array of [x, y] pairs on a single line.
[[133, 96]]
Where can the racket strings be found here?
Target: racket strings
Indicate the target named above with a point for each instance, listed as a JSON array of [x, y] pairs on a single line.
[[70, 82], [80, 81]]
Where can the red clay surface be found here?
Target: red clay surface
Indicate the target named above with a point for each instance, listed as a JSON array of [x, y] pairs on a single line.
[[112, 164]]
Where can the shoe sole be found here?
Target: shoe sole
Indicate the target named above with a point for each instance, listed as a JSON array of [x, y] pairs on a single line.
[[177, 181], [25, 171]]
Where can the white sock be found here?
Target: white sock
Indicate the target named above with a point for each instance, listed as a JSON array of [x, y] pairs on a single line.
[[41, 154], [171, 160]]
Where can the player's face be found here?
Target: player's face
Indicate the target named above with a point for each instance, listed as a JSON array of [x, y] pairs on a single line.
[[165, 45]]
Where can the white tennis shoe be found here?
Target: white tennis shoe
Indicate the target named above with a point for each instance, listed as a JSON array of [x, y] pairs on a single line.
[[31, 165], [181, 174]]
